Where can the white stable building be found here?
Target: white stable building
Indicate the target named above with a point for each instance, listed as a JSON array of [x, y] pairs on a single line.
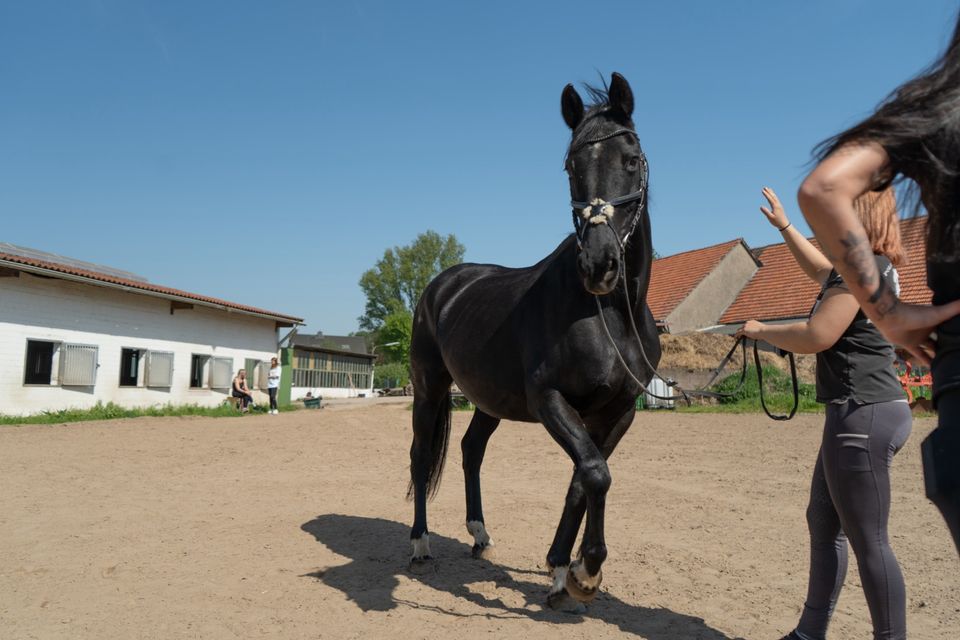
[[73, 334]]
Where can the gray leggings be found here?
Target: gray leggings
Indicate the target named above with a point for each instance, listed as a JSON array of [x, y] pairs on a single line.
[[850, 499]]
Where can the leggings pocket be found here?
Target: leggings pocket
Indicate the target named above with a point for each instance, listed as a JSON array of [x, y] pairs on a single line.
[[854, 452]]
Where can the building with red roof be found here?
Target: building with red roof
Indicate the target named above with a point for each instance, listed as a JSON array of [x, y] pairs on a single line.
[[716, 285], [780, 291], [73, 334], [690, 290]]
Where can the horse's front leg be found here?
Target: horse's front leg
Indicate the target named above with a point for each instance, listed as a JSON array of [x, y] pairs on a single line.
[[589, 485], [558, 558]]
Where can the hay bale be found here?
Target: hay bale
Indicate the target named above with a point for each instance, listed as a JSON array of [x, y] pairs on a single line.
[[700, 353]]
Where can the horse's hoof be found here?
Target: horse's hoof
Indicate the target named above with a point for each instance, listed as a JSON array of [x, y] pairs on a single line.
[[562, 601], [483, 552], [582, 587], [422, 565]]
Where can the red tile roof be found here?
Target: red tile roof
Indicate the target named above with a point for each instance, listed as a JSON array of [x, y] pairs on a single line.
[[674, 277], [780, 290], [148, 288]]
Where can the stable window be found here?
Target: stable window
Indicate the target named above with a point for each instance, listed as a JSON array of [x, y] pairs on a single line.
[[198, 366], [130, 367], [39, 365], [160, 369]]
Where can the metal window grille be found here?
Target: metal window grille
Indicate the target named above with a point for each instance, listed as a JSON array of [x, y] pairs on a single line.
[[159, 369], [221, 373], [78, 365], [332, 371]]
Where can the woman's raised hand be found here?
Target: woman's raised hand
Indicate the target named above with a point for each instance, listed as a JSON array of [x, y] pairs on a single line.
[[774, 213]]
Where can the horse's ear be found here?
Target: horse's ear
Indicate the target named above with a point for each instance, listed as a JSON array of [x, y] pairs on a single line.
[[572, 106], [621, 95]]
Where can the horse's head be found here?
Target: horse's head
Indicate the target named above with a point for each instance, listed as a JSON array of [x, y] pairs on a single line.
[[608, 180]]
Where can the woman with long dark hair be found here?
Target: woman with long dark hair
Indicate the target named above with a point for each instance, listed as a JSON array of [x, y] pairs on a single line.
[[914, 135], [867, 422]]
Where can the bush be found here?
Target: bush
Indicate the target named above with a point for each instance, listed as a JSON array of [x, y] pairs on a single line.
[[777, 391], [390, 375]]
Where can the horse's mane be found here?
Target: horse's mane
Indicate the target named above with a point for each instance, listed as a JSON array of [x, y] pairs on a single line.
[[592, 124]]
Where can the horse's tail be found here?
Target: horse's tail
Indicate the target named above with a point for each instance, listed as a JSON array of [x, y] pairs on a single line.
[[439, 439]]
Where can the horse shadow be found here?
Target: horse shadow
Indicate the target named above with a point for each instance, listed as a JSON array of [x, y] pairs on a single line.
[[378, 551]]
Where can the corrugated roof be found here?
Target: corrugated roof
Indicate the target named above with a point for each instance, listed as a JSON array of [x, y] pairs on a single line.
[[73, 272], [354, 345], [780, 290], [674, 277]]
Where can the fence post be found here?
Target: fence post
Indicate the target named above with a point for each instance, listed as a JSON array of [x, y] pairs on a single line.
[[286, 376]]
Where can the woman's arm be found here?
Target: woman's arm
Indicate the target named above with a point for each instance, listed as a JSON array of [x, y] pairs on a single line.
[[813, 263], [826, 198], [834, 314]]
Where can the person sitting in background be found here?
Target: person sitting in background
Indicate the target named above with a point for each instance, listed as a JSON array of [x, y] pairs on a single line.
[[241, 390]]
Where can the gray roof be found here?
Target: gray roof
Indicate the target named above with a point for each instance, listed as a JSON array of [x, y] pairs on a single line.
[[353, 345]]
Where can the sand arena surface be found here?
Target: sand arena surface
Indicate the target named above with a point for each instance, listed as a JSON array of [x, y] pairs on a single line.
[[295, 526]]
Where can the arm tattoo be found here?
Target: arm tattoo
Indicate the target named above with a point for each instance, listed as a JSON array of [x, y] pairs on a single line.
[[884, 299], [858, 255]]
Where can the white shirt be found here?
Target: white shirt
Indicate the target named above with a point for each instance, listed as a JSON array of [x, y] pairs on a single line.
[[273, 378]]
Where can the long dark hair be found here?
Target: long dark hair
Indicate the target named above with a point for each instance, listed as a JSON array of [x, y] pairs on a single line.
[[918, 125]]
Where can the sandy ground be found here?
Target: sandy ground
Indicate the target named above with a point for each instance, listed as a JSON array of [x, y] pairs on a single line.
[[295, 526]]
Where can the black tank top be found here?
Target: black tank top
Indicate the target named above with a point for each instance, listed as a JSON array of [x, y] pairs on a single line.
[[859, 366]]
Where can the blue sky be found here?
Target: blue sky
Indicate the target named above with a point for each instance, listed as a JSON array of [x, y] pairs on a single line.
[[268, 152]]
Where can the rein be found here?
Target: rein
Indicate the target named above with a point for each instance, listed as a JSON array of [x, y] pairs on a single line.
[[599, 211], [703, 391]]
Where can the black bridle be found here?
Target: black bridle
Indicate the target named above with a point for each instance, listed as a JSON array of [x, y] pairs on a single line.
[[639, 195]]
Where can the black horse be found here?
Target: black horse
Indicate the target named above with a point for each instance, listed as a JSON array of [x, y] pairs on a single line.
[[567, 342]]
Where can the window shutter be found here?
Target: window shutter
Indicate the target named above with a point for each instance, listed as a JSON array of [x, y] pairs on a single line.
[[221, 373], [78, 365], [263, 374], [159, 369]]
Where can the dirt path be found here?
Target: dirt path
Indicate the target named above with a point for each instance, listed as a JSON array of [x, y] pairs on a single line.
[[294, 526]]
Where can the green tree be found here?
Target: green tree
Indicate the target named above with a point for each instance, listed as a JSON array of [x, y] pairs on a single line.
[[397, 328], [395, 283]]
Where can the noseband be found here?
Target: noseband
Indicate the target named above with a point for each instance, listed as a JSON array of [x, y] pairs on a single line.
[[599, 211]]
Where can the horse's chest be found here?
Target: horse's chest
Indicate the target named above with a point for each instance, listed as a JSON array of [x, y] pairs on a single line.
[[585, 373]]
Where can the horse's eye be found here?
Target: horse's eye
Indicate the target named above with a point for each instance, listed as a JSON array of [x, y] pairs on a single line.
[[633, 163]]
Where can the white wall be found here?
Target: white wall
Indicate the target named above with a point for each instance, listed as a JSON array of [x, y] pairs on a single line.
[[59, 310], [298, 393]]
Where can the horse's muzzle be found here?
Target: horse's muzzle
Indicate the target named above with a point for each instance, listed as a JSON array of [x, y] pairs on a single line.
[[607, 284], [599, 279]]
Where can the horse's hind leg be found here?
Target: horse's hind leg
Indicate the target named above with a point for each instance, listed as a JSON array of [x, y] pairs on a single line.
[[431, 429], [473, 446]]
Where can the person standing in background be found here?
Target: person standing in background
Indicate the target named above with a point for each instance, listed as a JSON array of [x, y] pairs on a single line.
[[273, 384]]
